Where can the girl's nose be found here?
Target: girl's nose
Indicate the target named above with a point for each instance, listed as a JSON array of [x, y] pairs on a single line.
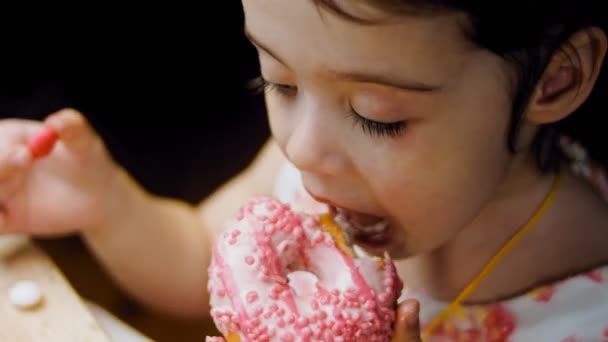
[[314, 143]]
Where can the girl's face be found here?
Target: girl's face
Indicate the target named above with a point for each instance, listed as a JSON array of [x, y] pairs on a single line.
[[403, 120]]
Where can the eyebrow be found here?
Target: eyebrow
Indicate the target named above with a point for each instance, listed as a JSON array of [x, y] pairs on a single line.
[[407, 85]]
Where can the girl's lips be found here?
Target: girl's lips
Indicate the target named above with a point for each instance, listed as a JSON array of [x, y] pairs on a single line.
[[359, 220], [364, 229]]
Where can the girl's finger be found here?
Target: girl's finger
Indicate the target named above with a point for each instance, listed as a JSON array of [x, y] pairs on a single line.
[[407, 324]]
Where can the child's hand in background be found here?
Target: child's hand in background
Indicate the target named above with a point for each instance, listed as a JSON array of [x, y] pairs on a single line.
[[70, 188]]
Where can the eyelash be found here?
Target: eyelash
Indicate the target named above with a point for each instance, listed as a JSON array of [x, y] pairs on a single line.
[[375, 128], [259, 85], [371, 127]]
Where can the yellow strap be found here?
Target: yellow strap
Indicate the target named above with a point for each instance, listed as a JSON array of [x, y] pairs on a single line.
[[475, 282]]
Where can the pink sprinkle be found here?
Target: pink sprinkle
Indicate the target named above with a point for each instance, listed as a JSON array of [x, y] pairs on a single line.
[[269, 229], [254, 322], [280, 312], [221, 293], [291, 318], [252, 296], [235, 233], [276, 289], [286, 337], [314, 304], [350, 296], [301, 322], [232, 241], [288, 229], [316, 333], [306, 332], [281, 323], [337, 329], [298, 232], [249, 260], [258, 311], [383, 298]]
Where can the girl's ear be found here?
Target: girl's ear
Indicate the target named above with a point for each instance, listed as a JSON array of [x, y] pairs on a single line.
[[569, 77]]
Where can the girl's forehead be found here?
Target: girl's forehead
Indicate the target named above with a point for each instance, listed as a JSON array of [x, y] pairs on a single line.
[[301, 33], [310, 19]]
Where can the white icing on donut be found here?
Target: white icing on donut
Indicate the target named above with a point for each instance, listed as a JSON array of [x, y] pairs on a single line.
[[277, 276]]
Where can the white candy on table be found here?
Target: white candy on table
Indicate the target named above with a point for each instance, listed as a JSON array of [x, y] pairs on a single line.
[[25, 294]]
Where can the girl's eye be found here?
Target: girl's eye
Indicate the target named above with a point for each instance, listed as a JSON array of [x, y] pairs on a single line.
[[371, 127], [377, 128], [261, 85]]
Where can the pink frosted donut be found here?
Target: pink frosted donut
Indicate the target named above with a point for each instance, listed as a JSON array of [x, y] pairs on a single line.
[[277, 275]]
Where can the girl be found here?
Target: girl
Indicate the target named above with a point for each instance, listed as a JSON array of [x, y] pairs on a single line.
[[442, 119]]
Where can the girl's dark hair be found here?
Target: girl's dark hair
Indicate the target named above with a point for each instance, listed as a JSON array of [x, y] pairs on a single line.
[[528, 33]]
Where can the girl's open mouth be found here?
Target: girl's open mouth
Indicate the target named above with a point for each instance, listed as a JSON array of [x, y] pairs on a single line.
[[364, 229]]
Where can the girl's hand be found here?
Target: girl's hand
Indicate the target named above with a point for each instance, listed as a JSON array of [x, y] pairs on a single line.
[[68, 188], [407, 324]]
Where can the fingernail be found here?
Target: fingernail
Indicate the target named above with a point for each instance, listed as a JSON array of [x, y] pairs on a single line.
[[411, 314], [21, 156]]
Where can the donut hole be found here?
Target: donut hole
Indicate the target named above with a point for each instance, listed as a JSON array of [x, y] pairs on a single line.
[[302, 283]]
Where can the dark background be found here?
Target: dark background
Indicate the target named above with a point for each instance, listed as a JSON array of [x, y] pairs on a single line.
[[164, 121], [151, 85]]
